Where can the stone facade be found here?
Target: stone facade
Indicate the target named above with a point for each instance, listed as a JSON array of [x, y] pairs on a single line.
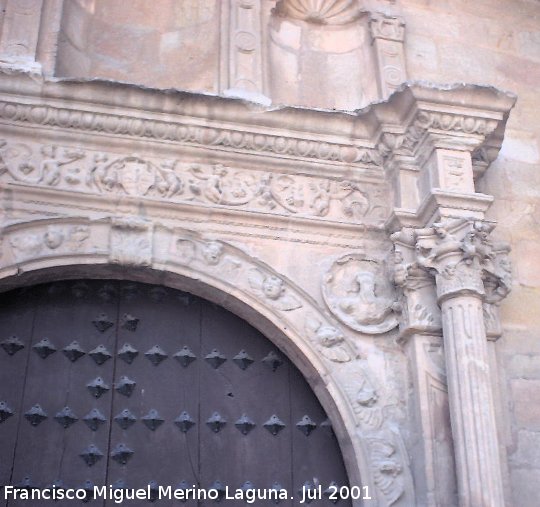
[[322, 177]]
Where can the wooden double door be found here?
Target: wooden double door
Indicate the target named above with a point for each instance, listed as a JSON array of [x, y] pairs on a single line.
[[126, 384]]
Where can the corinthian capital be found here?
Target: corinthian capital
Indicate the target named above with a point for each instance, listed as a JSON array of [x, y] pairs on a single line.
[[464, 259]]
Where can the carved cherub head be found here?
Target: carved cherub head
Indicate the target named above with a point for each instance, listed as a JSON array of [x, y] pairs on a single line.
[[367, 397], [212, 252], [440, 230], [272, 287], [53, 238], [329, 336]]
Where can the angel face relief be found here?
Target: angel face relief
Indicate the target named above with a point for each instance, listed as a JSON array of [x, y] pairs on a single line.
[[358, 292], [273, 289]]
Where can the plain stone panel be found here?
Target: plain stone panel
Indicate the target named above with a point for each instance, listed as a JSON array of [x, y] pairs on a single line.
[[525, 487], [524, 366], [527, 454], [526, 398]]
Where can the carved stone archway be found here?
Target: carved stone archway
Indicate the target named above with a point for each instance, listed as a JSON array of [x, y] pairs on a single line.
[[46, 250], [286, 218]]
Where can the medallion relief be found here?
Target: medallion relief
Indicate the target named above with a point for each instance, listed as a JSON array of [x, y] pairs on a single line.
[[358, 292]]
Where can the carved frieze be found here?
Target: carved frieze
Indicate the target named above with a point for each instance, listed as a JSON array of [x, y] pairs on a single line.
[[358, 292], [177, 181], [30, 244]]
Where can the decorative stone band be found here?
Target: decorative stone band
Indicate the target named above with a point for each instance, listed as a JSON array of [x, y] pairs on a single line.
[[407, 143], [178, 181], [286, 145], [273, 135]]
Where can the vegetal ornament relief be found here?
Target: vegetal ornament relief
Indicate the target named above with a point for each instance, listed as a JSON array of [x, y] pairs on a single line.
[[358, 292], [371, 406], [463, 257], [387, 468], [131, 241], [183, 182]]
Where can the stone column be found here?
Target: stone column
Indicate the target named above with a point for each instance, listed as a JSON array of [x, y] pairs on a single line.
[[461, 256]]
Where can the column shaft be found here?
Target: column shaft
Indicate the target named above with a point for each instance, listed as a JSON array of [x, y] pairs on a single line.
[[471, 401]]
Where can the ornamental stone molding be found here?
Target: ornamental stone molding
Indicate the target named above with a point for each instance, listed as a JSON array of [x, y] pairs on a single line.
[[355, 241]]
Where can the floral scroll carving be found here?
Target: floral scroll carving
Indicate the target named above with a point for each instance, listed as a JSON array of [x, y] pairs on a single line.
[[462, 256], [190, 183]]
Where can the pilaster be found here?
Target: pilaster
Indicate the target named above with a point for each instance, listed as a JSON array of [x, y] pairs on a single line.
[[442, 235], [387, 35]]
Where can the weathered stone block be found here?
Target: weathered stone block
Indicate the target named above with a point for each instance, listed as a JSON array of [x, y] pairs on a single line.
[[526, 398]]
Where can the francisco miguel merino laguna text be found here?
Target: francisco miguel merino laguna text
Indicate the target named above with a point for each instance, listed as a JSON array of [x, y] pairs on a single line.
[[161, 492]]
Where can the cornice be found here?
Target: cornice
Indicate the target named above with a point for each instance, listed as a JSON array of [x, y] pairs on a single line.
[[350, 137], [323, 151]]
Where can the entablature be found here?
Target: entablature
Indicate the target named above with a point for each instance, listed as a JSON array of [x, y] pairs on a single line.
[[338, 169]]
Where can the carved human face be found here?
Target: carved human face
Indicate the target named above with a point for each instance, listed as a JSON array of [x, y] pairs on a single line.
[[53, 238], [212, 252], [272, 287]]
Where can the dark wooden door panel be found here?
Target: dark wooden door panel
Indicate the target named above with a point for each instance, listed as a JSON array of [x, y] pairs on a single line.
[[16, 321], [164, 388], [128, 384], [61, 446], [242, 386]]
